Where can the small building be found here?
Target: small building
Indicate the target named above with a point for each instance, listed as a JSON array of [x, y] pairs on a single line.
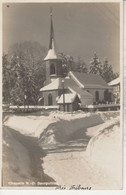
[[69, 102], [115, 89]]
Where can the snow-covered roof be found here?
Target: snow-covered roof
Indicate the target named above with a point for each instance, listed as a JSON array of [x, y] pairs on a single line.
[[114, 82], [80, 92], [78, 83], [51, 53], [56, 84], [84, 80], [69, 98]]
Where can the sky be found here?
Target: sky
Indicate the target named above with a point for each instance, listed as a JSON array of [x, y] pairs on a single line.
[[80, 28]]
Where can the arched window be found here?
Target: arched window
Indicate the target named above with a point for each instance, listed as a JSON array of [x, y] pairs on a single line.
[[52, 68], [109, 97], [97, 96], [50, 100], [106, 94]]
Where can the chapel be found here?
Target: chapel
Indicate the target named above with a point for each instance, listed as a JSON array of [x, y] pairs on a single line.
[[74, 90]]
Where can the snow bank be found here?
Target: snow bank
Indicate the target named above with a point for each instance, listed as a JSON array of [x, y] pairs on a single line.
[[29, 125], [101, 165], [104, 152], [99, 168], [80, 114], [57, 126], [16, 161], [74, 126], [22, 159], [92, 131], [65, 130]]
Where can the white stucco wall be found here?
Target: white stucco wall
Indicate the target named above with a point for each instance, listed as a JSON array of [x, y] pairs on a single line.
[[101, 93]]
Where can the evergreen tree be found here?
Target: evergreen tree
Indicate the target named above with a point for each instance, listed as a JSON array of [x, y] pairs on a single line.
[[27, 73], [107, 72], [80, 66], [95, 65], [6, 79], [69, 64]]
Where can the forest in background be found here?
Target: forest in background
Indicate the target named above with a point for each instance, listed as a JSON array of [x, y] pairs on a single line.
[[23, 71]]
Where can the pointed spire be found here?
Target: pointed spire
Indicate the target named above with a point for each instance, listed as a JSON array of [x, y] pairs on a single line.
[[51, 31], [51, 53]]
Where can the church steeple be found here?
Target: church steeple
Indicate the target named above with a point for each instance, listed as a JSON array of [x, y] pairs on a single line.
[[51, 31], [51, 52], [53, 63]]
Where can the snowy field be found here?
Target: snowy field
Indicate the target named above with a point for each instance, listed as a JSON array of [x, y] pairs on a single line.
[[58, 145]]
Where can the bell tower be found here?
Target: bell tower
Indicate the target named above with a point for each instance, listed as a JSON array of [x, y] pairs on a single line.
[[53, 64]]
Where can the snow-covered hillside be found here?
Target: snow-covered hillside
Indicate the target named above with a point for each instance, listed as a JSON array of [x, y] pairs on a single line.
[[105, 152], [33, 125], [14, 167], [87, 143], [22, 160]]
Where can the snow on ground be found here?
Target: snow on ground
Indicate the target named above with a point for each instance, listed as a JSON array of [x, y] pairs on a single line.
[[99, 167], [75, 126], [105, 151], [29, 124], [33, 125], [64, 137], [80, 114], [92, 131], [68, 169], [14, 167], [73, 168], [21, 160]]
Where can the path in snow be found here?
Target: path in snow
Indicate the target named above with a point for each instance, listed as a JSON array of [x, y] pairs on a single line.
[[68, 165], [65, 161], [21, 158], [73, 168]]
